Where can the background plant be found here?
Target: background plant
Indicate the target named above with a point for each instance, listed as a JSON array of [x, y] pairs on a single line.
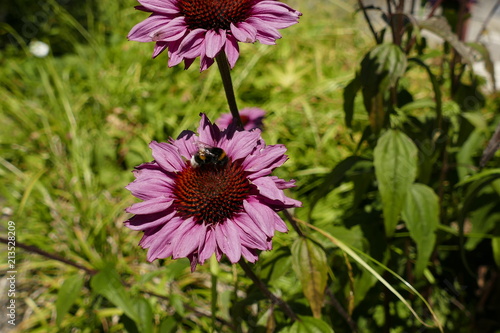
[[76, 123]]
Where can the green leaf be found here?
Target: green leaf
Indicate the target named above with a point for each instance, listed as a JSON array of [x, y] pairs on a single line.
[[421, 214], [67, 295], [483, 220], [439, 25], [495, 244], [310, 325], [145, 314], [350, 92], [395, 161], [168, 325], [107, 283], [333, 179], [380, 70], [309, 263]]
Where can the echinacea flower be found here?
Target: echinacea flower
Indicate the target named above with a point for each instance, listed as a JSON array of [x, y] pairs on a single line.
[[250, 117], [210, 193], [203, 28]]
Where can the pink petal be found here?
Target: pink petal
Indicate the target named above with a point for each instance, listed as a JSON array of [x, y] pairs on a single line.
[[151, 206], [214, 41], [228, 240], [149, 221], [143, 31], [249, 255], [207, 246], [263, 162], [261, 215], [167, 156], [160, 6], [174, 30], [187, 238], [193, 44], [250, 233], [232, 50], [209, 134], [186, 143], [279, 224], [241, 144], [244, 32], [159, 48], [267, 187]]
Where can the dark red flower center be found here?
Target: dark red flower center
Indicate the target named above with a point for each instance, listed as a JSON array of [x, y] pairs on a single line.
[[214, 14], [211, 193]]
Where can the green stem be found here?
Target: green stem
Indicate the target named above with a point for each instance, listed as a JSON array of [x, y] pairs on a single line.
[[225, 73], [274, 299]]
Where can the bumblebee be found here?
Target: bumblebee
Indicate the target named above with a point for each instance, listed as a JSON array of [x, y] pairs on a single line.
[[208, 155]]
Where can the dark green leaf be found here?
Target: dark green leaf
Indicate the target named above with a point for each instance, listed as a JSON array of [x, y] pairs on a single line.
[[421, 215], [395, 161], [495, 244], [145, 314], [107, 283], [310, 265], [67, 295], [483, 220], [350, 92], [334, 178], [381, 69]]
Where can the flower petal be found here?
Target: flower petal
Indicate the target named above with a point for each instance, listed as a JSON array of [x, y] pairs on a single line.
[[207, 246], [174, 30], [187, 238], [261, 215], [143, 31], [241, 144], [160, 6], [150, 206], [228, 240], [214, 41], [149, 221], [167, 156], [232, 50], [244, 32]]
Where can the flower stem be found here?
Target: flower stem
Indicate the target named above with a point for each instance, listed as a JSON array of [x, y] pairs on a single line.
[[225, 73], [34, 249], [274, 299]]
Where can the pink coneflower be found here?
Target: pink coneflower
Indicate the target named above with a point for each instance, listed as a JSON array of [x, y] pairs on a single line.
[[250, 117], [210, 193], [203, 28]]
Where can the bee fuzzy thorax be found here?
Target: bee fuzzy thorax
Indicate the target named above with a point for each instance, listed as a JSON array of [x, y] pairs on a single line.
[[207, 155]]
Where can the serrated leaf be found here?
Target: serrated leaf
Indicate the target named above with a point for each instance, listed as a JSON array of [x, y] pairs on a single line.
[[309, 263], [395, 161], [310, 325], [439, 26], [67, 295], [421, 215], [107, 283], [380, 70]]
